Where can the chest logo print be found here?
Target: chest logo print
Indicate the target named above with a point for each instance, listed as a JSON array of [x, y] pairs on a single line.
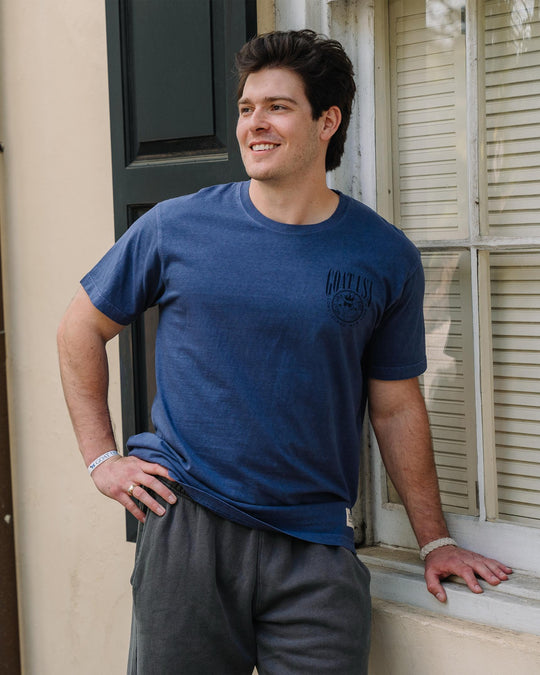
[[348, 296]]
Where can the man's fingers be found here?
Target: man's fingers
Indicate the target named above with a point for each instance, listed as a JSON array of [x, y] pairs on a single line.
[[154, 484], [470, 579], [132, 507], [474, 565], [498, 569], [438, 591], [141, 495], [127, 479], [445, 562], [148, 481], [153, 469], [491, 571], [434, 586]]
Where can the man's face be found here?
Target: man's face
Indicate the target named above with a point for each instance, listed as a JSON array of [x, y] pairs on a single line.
[[279, 140]]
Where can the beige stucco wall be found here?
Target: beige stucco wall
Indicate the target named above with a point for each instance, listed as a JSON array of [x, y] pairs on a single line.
[[407, 641], [73, 562]]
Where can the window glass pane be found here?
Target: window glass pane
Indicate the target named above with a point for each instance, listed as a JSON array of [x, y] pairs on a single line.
[[448, 383], [512, 84], [428, 105], [515, 298]]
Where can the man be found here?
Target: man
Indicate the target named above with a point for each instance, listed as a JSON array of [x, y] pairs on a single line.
[[284, 306]]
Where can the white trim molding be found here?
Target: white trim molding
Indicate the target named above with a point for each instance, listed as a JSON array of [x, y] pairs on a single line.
[[397, 576]]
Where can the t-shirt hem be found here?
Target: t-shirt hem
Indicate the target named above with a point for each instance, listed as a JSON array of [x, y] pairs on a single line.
[[235, 515], [100, 301], [398, 372]]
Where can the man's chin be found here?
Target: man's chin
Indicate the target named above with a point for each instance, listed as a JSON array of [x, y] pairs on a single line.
[[260, 176], [262, 173]]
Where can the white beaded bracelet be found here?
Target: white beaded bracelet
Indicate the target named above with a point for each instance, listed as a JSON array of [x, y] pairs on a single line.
[[102, 458], [437, 543]]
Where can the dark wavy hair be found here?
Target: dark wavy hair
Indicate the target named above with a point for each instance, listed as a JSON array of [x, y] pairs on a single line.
[[323, 65]]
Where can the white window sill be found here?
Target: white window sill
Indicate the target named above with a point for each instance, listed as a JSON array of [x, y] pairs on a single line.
[[397, 575]]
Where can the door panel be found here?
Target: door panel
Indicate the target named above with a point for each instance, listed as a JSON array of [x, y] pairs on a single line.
[[172, 96], [169, 77]]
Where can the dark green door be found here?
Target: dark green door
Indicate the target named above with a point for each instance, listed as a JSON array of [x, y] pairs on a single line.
[[173, 118]]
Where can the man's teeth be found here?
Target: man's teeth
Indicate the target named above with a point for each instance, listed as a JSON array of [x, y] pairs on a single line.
[[263, 146]]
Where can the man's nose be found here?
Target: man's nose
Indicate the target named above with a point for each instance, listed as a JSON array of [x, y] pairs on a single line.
[[259, 119]]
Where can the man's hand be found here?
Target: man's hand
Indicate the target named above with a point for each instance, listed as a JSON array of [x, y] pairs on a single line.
[[447, 560], [115, 476]]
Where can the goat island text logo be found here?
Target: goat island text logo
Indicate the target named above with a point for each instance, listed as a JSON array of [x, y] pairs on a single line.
[[348, 296]]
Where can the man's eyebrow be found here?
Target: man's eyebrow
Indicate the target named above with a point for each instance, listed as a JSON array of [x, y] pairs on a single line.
[[269, 99]]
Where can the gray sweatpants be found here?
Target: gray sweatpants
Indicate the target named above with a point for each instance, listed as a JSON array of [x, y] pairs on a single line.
[[211, 597]]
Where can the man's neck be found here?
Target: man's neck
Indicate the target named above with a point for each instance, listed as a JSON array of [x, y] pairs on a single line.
[[294, 205]]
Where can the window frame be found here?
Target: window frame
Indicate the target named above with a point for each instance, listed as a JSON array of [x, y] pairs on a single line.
[[515, 544]]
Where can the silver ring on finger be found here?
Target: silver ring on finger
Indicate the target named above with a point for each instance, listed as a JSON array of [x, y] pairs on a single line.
[[130, 489]]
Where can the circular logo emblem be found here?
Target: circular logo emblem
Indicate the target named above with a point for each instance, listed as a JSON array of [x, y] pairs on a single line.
[[348, 306]]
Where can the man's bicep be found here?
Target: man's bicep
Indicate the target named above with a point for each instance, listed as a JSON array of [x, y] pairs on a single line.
[[83, 314], [388, 397]]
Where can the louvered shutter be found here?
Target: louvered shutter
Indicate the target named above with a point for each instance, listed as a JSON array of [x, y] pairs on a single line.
[[427, 64], [515, 298], [512, 78]]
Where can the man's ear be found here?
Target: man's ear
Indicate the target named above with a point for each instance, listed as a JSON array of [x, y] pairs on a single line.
[[331, 119]]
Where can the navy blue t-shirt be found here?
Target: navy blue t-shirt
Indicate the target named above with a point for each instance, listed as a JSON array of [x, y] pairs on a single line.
[[267, 335]]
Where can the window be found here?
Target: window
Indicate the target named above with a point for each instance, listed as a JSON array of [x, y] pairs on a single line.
[[462, 179]]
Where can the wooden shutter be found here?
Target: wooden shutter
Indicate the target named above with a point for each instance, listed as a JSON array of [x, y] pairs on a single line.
[[512, 81], [428, 102], [448, 384], [515, 298]]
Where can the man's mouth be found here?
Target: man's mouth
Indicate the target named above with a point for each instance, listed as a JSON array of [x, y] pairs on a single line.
[[259, 147]]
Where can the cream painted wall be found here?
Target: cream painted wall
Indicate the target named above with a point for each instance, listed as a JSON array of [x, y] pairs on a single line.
[[407, 641], [73, 561], [265, 15]]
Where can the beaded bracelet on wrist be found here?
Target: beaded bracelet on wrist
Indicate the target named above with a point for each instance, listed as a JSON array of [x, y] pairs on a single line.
[[433, 545]]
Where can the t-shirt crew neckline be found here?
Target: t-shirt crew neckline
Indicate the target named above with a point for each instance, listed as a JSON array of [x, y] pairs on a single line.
[[286, 228]]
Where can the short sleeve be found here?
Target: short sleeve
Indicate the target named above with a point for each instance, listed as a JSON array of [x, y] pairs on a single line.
[[397, 348], [129, 278]]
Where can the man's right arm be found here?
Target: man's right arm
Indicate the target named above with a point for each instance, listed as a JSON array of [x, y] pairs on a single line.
[[82, 338]]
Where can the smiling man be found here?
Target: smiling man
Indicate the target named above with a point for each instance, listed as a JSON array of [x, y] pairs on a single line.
[[281, 142], [285, 307]]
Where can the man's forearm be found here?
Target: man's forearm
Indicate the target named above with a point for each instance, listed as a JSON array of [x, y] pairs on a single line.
[[85, 379], [82, 337], [410, 465], [402, 431]]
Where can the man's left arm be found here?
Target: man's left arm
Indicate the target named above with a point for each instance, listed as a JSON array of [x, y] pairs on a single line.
[[398, 414]]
